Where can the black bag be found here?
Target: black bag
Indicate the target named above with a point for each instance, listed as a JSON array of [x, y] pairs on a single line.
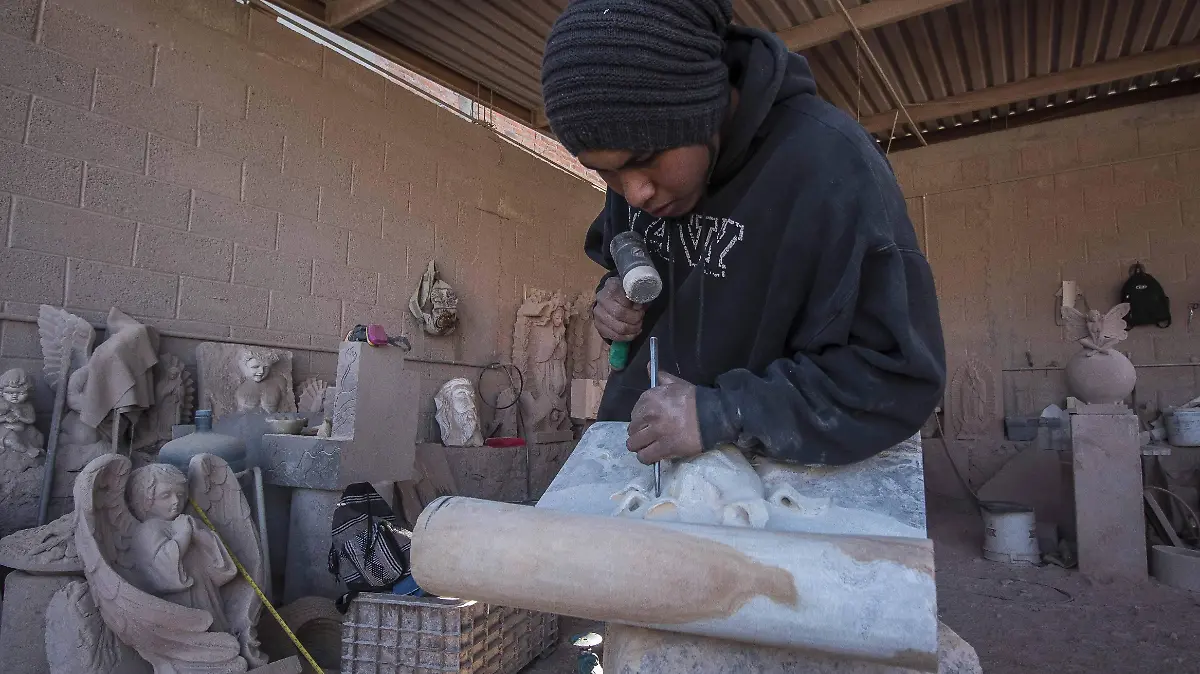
[[369, 552], [1148, 303]]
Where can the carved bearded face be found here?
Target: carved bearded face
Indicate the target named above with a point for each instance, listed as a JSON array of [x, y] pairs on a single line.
[[255, 369]]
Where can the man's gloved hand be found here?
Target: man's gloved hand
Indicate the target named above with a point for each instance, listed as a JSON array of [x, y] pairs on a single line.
[[618, 318], [664, 424]]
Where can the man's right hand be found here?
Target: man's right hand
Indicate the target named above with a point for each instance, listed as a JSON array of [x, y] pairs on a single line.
[[617, 317]]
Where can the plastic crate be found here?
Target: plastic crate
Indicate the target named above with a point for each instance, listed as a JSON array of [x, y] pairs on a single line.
[[393, 634]]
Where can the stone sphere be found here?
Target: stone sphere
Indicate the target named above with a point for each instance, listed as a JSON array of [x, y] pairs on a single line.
[[1100, 378]]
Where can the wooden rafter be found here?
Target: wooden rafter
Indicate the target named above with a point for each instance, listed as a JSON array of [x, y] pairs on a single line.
[[866, 17], [341, 13], [1070, 80]]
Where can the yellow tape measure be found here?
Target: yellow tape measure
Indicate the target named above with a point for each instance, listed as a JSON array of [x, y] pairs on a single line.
[[266, 602]]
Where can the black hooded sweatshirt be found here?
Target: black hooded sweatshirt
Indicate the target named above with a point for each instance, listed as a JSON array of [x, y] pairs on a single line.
[[796, 297]]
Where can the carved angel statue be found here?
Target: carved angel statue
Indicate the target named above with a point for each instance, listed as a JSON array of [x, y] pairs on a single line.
[[17, 433], [540, 350], [1095, 332], [162, 581]]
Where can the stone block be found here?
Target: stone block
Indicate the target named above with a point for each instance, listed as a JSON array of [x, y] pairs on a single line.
[[305, 238], [369, 251], [24, 170], [14, 108], [350, 212], [544, 463], [234, 221], [268, 269], [23, 629], [172, 251], [296, 313], [305, 159], [74, 133], [202, 300], [98, 286], [267, 187], [50, 228], [232, 135], [32, 277], [374, 427], [185, 164], [89, 41], [192, 78], [309, 534], [136, 197], [344, 283], [585, 397], [139, 105], [19, 18], [1109, 513], [491, 473], [268, 35], [46, 73]]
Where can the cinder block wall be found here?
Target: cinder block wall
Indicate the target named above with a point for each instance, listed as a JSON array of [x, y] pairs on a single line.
[[1005, 217], [201, 167]]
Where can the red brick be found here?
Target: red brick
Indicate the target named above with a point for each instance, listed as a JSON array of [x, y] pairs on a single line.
[[89, 41], [344, 283], [268, 35], [268, 269], [223, 218], [144, 107], [304, 238], [14, 110], [237, 137], [24, 170], [51, 228], [376, 254], [172, 251], [31, 68], [99, 286], [136, 197], [349, 212], [73, 133], [305, 314], [31, 277], [357, 78], [19, 18], [267, 187], [185, 164], [223, 302]]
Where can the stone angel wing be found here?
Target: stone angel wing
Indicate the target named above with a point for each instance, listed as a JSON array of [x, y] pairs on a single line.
[[1114, 323], [214, 487], [162, 632], [64, 336], [1076, 323]]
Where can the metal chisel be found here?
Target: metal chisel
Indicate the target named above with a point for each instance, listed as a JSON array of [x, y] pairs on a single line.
[[653, 383]]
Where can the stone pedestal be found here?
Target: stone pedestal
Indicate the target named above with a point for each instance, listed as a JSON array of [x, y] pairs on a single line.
[[1109, 512], [635, 650], [309, 537], [23, 622]]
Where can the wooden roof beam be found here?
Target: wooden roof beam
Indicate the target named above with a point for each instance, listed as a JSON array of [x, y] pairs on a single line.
[[1069, 80], [341, 13], [866, 17]]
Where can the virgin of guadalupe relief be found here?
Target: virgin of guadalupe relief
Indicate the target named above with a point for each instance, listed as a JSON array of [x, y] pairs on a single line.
[[587, 353], [973, 400], [540, 350]]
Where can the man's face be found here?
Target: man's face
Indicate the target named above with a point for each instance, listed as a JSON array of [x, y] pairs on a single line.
[[168, 500], [664, 184]]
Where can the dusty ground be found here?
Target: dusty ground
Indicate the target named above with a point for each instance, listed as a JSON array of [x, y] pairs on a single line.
[[1025, 620]]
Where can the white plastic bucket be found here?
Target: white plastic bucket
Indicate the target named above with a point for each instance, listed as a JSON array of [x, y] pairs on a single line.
[[1183, 428], [1009, 533]]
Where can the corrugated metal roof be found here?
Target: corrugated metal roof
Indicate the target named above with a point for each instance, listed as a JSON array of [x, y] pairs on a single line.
[[966, 47]]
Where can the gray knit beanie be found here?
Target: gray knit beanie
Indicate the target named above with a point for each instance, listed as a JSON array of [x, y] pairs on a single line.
[[640, 75]]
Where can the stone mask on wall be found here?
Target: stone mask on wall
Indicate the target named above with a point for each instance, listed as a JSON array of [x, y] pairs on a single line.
[[434, 304]]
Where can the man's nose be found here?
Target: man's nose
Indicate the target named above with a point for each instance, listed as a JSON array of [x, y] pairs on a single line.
[[638, 189]]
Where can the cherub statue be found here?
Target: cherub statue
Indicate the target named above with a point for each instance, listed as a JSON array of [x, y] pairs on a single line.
[[1095, 332], [259, 390], [457, 416], [17, 433], [162, 581]]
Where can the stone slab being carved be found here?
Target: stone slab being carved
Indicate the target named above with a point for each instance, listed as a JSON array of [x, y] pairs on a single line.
[[374, 422], [457, 415], [1099, 373], [237, 378], [540, 350], [157, 579], [972, 401]]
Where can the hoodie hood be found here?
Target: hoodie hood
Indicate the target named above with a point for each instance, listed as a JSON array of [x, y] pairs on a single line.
[[765, 73]]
